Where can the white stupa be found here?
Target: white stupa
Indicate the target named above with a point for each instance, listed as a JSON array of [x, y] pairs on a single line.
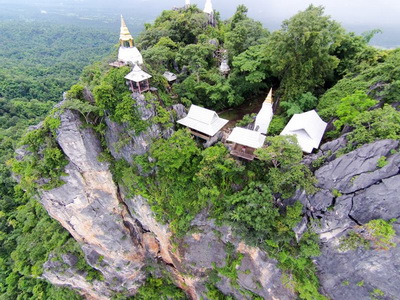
[[264, 116], [208, 8], [127, 52]]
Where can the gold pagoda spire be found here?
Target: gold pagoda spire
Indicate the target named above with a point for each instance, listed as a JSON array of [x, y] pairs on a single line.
[[125, 35], [269, 97]]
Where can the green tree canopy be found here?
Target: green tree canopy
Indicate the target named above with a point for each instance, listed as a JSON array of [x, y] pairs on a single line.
[[300, 51]]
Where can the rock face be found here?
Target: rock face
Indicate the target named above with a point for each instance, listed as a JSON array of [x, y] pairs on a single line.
[[88, 205], [353, 191], [119, 235]]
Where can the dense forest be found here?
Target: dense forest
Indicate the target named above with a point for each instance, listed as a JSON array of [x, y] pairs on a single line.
[[39, 61], [311, 63]]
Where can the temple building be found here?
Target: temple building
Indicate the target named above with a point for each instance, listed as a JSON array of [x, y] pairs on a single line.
[[138, 80], [245, 142], [187, 3], [203, 122], [309, 129], [264, 116], [127, 52]]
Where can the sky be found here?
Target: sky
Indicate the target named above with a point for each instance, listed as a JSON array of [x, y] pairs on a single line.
[[354, 15]]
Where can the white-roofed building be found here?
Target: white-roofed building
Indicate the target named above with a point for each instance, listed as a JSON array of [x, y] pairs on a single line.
[[138, 80], [245, 141], [169, 76], [127, 52], [203, 122], [309, 129], [264, 116]]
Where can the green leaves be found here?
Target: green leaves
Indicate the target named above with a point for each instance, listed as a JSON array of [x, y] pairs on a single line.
[[300, 54], [351, 106]]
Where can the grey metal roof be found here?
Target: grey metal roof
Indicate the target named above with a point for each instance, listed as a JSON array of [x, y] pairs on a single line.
[[169, 76], [247, 137], [204, 120], [309, 129]]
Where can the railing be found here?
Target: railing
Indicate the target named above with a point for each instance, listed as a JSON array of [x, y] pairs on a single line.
[[244, 155]]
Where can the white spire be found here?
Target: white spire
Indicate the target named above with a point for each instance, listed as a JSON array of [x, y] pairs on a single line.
[[187, 3], [208, 9]]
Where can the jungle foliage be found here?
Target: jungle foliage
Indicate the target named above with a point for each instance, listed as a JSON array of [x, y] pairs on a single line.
[[38, 63], [311, 61]]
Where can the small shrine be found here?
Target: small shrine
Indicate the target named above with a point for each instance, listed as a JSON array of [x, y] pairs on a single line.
[[309, 129], [171, 77], [264, 116], [138, 80], [245, 142], [127, 52], [224, 67], [203, 123]]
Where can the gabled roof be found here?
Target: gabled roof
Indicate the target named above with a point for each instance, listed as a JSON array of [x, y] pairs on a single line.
[[208, 9], [264, 116], [309, 129], [169, 76], [124, 35], [130, 55], [137, 75], [203, 120], [246, 137]]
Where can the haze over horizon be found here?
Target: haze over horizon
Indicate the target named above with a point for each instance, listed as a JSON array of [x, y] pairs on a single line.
[[355, 15]]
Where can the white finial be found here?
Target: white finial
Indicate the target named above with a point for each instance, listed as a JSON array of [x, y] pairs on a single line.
[[208, 9]]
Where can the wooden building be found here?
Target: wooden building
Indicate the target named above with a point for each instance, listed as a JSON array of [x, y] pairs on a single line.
[[245, 142], [138, 80], [203, 122]]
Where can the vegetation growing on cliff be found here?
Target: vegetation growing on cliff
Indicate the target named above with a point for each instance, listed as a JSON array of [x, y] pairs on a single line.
[[180, 179], [39, 62]]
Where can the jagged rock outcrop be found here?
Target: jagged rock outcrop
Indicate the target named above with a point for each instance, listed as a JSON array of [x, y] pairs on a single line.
[[355, 189], [64, 273], [119, 234], [89, 206], [124, 143]]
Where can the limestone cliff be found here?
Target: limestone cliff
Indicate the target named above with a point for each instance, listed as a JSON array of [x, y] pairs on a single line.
[[120, 235], [354, 190]]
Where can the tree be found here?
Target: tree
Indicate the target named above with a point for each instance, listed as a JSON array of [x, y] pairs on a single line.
[[304, 103], [254, 63], [245, 33], [351, 106], [300, 51], [383, 123], [287, 174], [253, 212]]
